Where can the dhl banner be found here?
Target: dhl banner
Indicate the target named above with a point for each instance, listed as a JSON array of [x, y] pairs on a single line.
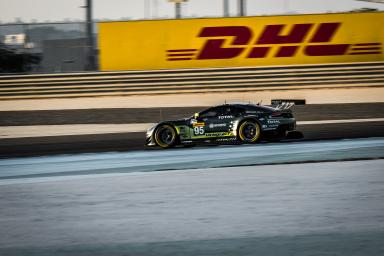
[[246, 41]]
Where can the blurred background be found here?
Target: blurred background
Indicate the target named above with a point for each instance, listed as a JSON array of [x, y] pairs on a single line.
[[45, 36]]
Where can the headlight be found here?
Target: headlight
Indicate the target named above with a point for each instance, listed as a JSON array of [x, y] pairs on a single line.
[[150, 130]]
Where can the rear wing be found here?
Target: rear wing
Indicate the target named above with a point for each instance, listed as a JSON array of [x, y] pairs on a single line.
[[286, 104]]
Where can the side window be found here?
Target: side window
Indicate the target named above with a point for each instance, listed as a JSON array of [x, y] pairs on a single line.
[[211, 112], [223, 110], [236, 111]]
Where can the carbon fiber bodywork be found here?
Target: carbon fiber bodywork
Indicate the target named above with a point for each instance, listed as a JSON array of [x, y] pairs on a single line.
[[220, 124]]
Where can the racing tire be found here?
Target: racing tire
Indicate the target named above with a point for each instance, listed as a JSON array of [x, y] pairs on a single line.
[[165, 136], [249, 132]]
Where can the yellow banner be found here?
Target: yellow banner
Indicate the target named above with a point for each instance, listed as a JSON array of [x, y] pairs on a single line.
[[247, 41]]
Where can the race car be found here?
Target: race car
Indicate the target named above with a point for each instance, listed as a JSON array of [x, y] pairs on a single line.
[[227, 123]]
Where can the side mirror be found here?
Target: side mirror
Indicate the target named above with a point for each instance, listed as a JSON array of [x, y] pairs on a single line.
[[196, 115]]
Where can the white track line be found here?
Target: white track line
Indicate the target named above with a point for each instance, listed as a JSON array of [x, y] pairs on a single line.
[[312, 96], [83, 129], [69, 129], [341, 121]]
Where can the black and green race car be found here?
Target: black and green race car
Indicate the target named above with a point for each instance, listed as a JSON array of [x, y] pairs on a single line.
[[227, 123]]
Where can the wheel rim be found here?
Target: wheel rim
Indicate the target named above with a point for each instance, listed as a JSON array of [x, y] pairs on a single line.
[[249, 132], [165, 136]]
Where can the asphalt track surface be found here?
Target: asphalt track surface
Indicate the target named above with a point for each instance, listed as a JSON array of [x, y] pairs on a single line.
[[134, 141], [329, 208], [199, 157], [191, 202]]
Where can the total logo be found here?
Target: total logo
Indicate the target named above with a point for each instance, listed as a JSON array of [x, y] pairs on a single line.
[[225, 117], [311, 39]]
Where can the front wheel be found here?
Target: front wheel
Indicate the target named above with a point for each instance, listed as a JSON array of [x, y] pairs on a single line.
[[249, 132], [165, 136]]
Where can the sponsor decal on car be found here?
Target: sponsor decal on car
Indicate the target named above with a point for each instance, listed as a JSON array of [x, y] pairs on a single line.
[[198, 124], [216, 125], [225, 117], [218, 134], [227, 139]]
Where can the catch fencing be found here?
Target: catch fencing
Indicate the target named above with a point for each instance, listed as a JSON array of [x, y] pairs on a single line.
[[43, 47]]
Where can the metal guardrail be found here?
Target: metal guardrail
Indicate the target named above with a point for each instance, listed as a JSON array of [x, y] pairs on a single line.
[[239, 79]]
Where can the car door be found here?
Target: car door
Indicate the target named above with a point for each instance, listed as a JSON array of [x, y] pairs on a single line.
[[216, 121], [198, 125]]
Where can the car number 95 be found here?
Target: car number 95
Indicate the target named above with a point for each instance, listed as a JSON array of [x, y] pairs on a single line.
[[198, 130]]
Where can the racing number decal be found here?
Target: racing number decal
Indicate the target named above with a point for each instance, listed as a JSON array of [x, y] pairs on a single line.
[[198, 130]]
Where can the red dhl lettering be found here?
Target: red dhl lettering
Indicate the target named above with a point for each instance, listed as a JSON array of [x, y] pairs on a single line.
[[242, 40]]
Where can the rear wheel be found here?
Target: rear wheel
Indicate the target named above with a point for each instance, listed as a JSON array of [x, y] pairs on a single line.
[[165, 136], [249, 132]]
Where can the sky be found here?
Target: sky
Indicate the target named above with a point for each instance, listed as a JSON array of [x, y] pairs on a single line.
[[64, 10]]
